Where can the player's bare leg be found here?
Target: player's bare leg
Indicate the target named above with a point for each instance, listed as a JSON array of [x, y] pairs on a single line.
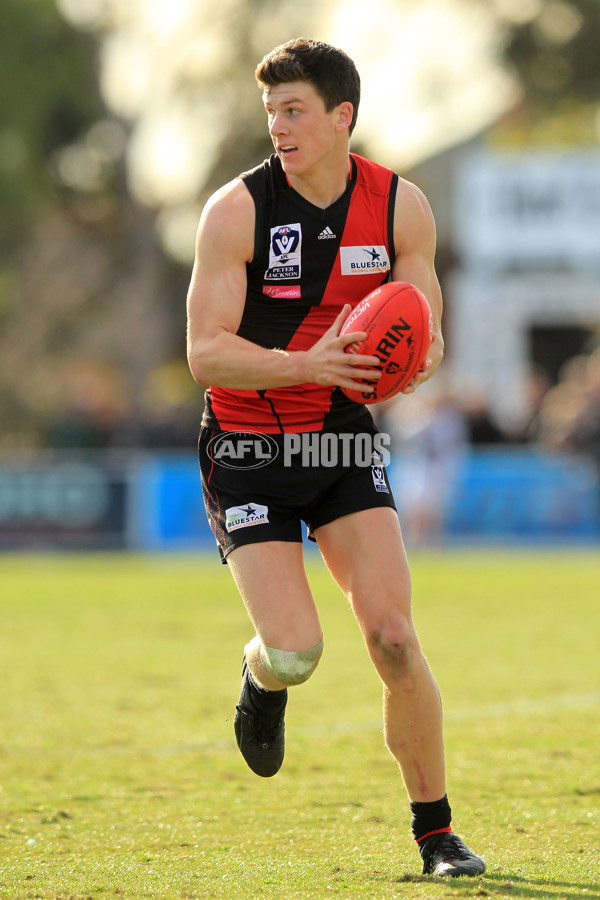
[[365, 555], [287, 647]]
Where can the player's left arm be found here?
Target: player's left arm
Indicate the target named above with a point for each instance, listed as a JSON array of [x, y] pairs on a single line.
[[415, 241]]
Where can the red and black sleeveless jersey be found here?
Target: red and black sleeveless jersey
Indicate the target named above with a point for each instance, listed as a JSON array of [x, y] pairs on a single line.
[[307, 263]]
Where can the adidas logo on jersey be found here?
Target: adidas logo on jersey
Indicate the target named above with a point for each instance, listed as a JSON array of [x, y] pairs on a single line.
[[326, 233]]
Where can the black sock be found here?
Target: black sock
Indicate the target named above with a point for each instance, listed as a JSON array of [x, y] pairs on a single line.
[[266, 701], [430, 818]]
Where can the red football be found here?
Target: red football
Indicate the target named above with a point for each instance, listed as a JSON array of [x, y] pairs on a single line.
[[397, 319]]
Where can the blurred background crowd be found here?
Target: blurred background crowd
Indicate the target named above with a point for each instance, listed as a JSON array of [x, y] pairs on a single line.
[[118, 118]]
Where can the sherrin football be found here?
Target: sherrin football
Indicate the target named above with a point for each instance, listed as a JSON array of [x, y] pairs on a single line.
[[397, 319]]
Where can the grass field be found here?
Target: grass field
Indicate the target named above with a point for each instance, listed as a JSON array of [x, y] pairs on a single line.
[[120, 776]]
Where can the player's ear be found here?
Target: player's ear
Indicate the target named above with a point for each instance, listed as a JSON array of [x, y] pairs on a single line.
[[345, 112]]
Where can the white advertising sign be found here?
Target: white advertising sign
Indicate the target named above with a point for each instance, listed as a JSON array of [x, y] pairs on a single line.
[[529, 208]]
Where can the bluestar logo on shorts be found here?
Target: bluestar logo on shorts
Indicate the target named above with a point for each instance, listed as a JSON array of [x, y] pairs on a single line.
[[245, 516]]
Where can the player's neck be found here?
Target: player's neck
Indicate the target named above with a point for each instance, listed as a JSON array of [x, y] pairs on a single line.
[[324, 184]]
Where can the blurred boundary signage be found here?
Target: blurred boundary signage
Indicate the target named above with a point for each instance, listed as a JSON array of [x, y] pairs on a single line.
[[65, 502], [528, 207], [154, 502], [167, 507], [504, 496], [521, 495]]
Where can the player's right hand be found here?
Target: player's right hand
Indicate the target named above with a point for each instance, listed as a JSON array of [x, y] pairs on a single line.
[[329, 363]]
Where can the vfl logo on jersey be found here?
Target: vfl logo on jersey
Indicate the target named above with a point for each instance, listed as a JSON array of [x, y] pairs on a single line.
[[364, 260], [244, 516], [284, 252]]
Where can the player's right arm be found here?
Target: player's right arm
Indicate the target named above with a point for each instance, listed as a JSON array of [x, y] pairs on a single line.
[[217, 355]]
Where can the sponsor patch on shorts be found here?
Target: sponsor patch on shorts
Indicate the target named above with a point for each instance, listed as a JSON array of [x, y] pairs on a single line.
[[378, 476], [245, 516]]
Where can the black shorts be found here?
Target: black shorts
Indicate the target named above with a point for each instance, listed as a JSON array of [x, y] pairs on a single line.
[[261, 487]]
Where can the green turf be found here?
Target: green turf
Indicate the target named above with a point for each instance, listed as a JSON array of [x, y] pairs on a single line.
[[120, 776]]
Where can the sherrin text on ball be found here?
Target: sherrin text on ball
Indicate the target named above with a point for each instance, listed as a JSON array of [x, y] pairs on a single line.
[[398, 323]]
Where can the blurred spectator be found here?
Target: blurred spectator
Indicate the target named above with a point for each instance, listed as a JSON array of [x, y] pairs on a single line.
[[481, 427], [171, 411], [587, 431], [538, 386], [93, 406], [94, 410], [430, 434], [569, 415]]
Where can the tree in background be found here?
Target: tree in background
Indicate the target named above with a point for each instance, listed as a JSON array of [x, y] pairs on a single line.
[[82, 274], [552, 49]]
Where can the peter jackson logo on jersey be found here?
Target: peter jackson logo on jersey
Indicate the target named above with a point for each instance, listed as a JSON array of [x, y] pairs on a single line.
[[364, 260], [284, 252]]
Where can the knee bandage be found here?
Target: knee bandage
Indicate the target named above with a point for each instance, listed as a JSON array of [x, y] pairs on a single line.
[[291, 666]]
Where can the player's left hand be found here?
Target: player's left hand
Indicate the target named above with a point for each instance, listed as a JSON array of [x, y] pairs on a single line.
[[434, 358]]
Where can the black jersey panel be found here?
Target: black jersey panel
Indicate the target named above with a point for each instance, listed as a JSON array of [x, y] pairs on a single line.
[[308, 262]]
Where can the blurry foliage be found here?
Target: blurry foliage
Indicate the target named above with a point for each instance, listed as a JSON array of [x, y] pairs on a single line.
[[553, 49], [49, 97], [557, 52], [81, 271]]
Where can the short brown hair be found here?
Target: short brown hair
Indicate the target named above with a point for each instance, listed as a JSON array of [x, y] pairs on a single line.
[[330, 71]]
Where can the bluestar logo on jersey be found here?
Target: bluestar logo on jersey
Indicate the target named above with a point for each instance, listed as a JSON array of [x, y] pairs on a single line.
[[245, 516], [364, 260], [235, 450], [285, 248]]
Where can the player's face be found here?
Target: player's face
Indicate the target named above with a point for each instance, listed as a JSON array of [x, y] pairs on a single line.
[[302, 131]]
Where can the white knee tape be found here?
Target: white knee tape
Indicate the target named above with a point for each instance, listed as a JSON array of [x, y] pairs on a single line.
[[291, 666]]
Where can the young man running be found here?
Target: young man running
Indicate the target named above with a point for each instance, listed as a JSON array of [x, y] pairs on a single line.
[[284, 252]]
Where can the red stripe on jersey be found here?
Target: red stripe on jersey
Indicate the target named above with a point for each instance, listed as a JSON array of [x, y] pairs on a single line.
[[367, 215]]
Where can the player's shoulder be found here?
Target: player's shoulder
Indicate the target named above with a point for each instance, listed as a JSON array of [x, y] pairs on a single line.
[[231, 198], [412, 207], [410, 194], [230, 207], [242, 194], [227, 220]]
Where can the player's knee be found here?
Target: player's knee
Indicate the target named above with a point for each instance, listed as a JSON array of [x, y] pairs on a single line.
[[392, 643], [291, 666]]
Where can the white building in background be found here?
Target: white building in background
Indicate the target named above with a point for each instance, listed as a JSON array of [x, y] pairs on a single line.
[[527, 232], [524, 232]]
